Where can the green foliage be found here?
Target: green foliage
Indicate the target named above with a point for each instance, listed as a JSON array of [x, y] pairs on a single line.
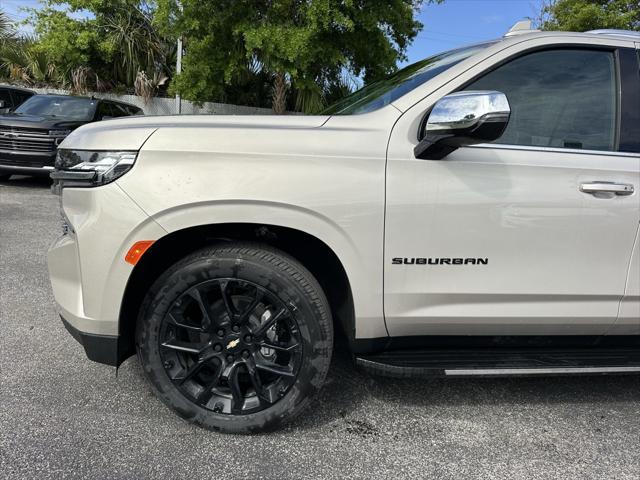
[[583, 15], [309, 43], [113, 39], [68, 42], [7, 32], [22, 61], [289, 54]]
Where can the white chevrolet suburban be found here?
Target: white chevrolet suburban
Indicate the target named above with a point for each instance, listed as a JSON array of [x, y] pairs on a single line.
[[475, 213]]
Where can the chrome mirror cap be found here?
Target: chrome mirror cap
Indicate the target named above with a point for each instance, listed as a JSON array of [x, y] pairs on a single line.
[[463, 110], [462, 119]]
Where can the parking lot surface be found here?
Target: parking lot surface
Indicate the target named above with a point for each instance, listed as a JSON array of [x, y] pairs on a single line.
[[62, 416]]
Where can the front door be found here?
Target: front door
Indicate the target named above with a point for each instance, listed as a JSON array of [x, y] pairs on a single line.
[[524, 236]]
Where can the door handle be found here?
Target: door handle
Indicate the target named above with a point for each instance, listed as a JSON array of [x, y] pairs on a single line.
[[607, 187]]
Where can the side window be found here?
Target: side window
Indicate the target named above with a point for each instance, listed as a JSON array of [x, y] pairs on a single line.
[[104, 110], [630, 89], [559, 98], [121, 110], [6, 98], [20, 97]]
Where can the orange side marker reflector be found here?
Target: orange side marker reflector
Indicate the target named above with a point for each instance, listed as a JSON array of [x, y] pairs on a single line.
[[137, 250]]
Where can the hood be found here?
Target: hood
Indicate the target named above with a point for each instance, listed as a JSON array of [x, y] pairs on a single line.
[[246, 121], [130, 133], [38, 121]]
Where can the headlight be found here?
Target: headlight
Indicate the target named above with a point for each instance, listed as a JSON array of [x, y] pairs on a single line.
[[84, 168]]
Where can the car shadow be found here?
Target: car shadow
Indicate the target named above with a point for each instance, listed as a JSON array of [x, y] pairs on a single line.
[[355, 401], [350, 393]]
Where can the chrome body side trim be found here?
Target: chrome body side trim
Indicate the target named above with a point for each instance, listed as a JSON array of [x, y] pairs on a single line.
[[539, 371]]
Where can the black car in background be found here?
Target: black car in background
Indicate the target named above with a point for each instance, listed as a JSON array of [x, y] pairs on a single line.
[[30, 135], [12, 97]]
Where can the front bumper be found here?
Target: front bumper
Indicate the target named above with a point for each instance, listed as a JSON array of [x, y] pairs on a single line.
[[36, 172], [99, 348], [87, 269], [27, 163]]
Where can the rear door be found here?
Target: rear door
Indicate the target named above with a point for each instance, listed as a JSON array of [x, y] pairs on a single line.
[[629, 314], [526, 236]]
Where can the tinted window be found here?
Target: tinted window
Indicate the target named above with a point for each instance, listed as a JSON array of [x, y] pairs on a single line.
[[630, 87], [72, 108], [6, 98], [558, 98], [105, 110], [122, 110], [20, 97]]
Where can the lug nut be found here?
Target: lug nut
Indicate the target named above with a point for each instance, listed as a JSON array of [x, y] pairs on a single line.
[[245, 354], [168, 364], [247, 338], [235, 328], [221, 333], [217, 347], [230, 358]]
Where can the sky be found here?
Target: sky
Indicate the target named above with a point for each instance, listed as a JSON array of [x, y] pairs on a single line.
[[449, 25], [458, 22]]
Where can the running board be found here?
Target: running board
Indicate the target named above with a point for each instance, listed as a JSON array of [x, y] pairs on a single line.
[[501, 362]]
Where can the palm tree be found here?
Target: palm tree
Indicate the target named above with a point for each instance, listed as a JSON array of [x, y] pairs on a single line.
[[139, 47], [23, 62], [7, 32]]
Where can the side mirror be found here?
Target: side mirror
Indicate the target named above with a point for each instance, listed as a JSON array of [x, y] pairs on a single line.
[[461, 119]]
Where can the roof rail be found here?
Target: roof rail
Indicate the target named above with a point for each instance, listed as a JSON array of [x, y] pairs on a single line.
[[521, 27], [617, 33]]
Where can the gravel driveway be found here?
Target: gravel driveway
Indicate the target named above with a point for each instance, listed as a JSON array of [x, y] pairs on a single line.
[[62, 416]]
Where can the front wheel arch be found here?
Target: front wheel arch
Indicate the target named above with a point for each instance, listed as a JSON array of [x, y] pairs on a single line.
[[310, 251]]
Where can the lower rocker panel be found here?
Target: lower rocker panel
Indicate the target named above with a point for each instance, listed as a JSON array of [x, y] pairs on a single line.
[[501, 362]]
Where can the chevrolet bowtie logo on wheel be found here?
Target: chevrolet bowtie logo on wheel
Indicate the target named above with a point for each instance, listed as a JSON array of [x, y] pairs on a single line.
[[233, 344]]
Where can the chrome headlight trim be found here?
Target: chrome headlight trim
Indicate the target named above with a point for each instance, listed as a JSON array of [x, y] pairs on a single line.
[[90, 168]]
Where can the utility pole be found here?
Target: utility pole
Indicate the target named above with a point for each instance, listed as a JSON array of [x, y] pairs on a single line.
[[178, 70], [179, 67]]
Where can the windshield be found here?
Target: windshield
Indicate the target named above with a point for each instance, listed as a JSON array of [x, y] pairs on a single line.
[[71, 108], [378, 94]]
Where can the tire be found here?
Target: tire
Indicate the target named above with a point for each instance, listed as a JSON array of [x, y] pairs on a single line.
[[250, 380]]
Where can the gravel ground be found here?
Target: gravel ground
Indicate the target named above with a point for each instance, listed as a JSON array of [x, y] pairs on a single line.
[[62, 416]]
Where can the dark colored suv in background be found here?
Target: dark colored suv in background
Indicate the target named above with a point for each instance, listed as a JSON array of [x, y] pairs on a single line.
[[11, 97], [30, 135]]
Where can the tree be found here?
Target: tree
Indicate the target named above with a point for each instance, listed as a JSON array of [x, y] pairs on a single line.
[[23, 62], [7, 32], [303, 47], [583, 15], [110, 39]]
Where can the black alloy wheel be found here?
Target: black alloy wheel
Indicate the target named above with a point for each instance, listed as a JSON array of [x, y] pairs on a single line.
[[236, 337], [230, 346]]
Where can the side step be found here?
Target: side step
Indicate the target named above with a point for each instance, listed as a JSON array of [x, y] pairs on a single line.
[[501, 362]]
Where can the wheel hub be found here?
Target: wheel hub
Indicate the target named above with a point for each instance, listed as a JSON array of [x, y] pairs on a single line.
[[231, 346]]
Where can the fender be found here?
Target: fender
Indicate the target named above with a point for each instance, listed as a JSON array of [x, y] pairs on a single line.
[[366, 291]]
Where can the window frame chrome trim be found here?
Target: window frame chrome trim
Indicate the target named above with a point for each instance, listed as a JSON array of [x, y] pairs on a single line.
[[530, 148]]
